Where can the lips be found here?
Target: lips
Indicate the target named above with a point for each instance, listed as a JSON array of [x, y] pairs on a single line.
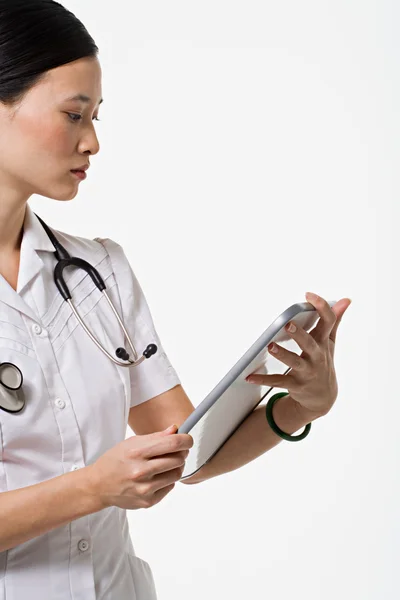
[[82, 168], [79, 174]]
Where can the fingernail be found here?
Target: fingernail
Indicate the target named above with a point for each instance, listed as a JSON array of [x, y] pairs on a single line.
[[250, 379], [311, 296], [273, 348], [171, 427], [291, 327]]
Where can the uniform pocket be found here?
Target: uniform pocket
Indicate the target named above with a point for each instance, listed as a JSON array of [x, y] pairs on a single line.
[[142, 578]]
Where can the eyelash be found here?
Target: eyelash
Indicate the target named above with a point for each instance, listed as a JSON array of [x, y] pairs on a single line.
[[80, 117]]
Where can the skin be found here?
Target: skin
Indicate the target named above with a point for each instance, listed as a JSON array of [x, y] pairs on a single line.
[[312, 382], [40, 143]]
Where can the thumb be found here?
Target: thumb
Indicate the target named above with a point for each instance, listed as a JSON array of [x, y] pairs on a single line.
[[169, 430], [339, 313]]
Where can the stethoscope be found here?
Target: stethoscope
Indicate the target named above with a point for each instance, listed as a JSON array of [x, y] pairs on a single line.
[[12, 399]]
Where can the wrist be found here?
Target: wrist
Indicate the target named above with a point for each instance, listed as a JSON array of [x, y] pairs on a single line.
[[91, 488], [305, 414], [290, 416]]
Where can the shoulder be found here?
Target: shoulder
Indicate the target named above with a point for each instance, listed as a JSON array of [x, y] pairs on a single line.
[[106, 255], [94, 250]]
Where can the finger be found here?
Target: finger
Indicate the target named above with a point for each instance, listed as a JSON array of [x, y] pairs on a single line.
[[339, 309], [327, 319], [304, 340], [160, 494], [162, 465], [171, 429], [285, 382], [167, 445], [162, 479], [291, 359]]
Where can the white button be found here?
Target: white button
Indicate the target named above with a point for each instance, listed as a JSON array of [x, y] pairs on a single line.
[[75, 468], [60, 403], [36, 329], [83, 545]]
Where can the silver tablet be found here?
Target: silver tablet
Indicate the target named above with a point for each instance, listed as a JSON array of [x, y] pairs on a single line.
[[225, 408]]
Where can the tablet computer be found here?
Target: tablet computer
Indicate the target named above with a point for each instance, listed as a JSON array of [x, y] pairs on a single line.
[[231, 401]]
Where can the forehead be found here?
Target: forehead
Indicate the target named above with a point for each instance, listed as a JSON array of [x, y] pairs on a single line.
[[79, 81]]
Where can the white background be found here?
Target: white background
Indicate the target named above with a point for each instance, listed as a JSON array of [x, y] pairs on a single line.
[[249, 153]]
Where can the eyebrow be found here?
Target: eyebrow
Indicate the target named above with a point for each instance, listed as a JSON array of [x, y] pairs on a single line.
[[82, 98]]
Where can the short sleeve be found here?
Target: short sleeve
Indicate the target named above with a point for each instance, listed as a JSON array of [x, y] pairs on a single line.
[[156, 374]]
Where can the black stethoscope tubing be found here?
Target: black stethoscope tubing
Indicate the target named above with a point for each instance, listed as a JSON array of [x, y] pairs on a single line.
[[65, 260]]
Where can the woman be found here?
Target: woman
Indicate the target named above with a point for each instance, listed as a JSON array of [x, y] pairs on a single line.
[[67, 474]]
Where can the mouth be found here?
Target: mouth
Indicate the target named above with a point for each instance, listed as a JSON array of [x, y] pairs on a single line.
[[80, 174]]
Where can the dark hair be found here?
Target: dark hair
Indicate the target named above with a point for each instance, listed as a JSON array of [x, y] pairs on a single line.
[[36, 36]]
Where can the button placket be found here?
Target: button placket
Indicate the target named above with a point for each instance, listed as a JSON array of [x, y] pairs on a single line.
[[58, 402], [63, 412]]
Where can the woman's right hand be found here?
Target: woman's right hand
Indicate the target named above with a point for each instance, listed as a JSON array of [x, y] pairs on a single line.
[[140, 471]]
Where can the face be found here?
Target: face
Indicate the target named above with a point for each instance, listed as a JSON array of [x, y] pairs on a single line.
[[47, 134]]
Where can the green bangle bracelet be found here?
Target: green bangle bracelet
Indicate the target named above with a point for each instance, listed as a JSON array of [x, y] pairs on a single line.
[[274, 426]]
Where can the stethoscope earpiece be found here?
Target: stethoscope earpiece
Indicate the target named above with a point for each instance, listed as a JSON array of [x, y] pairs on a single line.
[[122, 354], [150, 350]]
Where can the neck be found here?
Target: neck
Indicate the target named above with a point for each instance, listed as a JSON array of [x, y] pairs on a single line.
[[13, 200], [11, 227]]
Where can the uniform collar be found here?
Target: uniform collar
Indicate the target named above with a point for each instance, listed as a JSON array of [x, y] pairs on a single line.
[[34, 234], [34, 238], [35, 241]]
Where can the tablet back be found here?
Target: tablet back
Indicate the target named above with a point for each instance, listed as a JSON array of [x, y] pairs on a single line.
[[224, 409]]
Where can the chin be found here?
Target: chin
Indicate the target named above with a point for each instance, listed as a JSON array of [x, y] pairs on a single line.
[[61, 195]]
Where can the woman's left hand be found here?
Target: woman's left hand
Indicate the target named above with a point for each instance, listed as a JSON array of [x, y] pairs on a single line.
[[311, 382]]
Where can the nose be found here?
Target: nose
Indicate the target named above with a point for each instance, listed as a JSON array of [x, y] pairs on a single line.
[[89, 142]]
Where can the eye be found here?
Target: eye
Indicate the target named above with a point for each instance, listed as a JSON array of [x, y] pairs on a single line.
[[79, 117], [72, 115]]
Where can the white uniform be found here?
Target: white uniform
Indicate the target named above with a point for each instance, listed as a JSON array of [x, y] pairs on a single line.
[[77, 407]]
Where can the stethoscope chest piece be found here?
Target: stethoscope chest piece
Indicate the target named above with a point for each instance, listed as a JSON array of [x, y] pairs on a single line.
[[12, 398]]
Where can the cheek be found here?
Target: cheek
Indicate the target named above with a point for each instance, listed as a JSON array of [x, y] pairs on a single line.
[[47, 139], [51, 140], [37, 150]]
